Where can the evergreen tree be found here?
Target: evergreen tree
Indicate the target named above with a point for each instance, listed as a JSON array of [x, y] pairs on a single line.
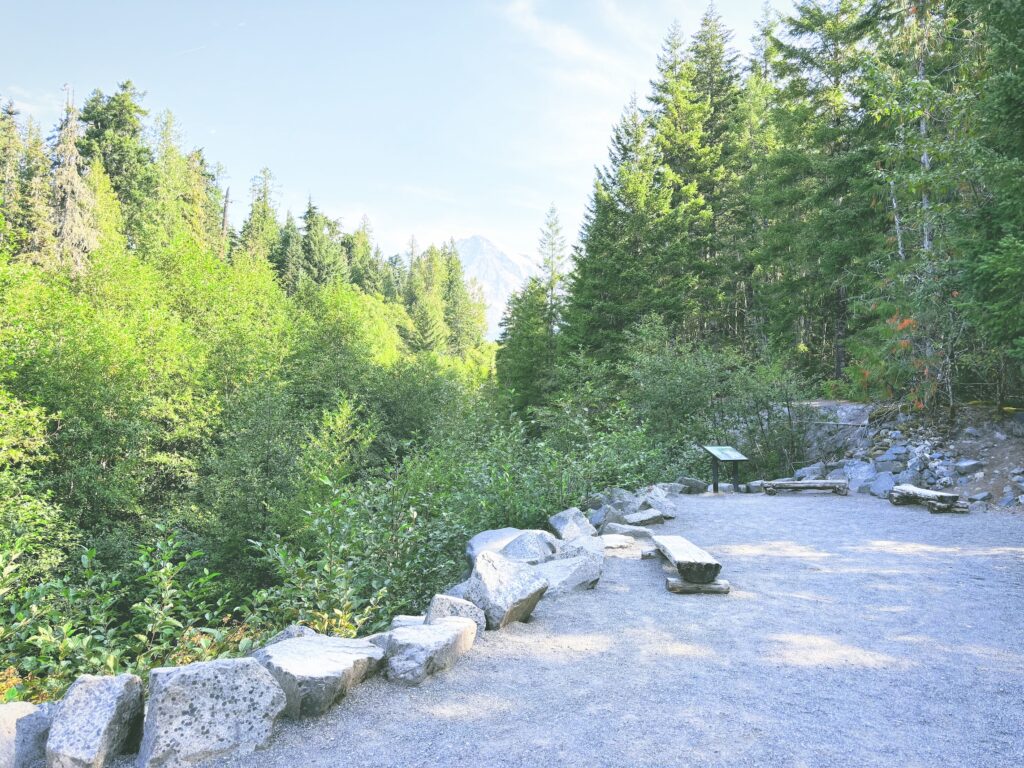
[[287, 254], [464, 309], [528, 356], [34, 218], [322, 255], [73, 200], [10, 160], [367, 268], [261, 234], [114, 134]]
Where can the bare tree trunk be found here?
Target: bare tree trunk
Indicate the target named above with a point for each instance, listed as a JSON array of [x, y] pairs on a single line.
[[899, 224], [922, 129]]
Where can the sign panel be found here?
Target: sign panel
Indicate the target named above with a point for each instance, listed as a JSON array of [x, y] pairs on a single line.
[[724, 452]]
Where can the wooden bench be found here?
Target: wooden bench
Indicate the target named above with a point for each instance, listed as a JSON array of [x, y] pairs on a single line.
[[841, 487], [936, 501]]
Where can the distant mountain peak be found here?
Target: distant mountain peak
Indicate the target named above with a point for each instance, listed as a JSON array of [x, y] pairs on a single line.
[[498, 273]]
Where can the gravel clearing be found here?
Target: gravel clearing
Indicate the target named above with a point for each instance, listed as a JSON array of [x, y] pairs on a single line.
[[857, 634]]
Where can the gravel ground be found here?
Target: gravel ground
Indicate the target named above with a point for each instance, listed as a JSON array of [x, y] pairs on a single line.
[[856, 634]]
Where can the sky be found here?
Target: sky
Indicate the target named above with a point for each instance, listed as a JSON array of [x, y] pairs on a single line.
[[433, 119]]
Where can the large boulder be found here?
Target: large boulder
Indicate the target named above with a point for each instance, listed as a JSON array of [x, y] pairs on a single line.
[[97, 719], [815, 471], [415, 653], [619, 498], [570, 523], [585, 546], [443, 606], [23, 731], [860, 475], [292, 630], [506, 591], [490, 541], [403, 620], [315, 671], [208, 710], [882, 484], [531, 547], [691, 484], [652, 496], [671, 488], [568, 574]]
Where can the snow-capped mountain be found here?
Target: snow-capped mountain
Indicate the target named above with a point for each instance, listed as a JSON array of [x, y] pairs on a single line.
[[498, 273]]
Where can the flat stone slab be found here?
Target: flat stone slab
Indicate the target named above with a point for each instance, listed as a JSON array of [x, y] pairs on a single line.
[[648, 516], [208, 710], [632, 531], [402, 620], [315, 671], [680, 587], [693, 563], [97, 719], [490, 541], [415, 653], [568, 574]]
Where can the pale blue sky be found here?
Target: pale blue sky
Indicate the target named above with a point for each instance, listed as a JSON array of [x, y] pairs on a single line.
[[439, 119]]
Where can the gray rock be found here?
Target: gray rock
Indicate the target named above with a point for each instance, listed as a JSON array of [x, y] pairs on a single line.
[[598, 517], [972, 432], [898, 451], [755, 486], [1007, 501], [882, 484], [815, 471], [208, 710], [671, 488], [722, 488], [860, 475], [1017, 471], [289, 632], [23, 731], [909, 477], [490, 541], [443, 606], [644, 517], [618, 541], [506, 591], [97, 719], [968, 466], [584, 546], [570, 523], [315, 671], [415, 653], [983, 496], [619, 498], [691, 484], [837, 474], [531, 547], [459, 590], [652, 496], [977, 506], [568, 574], [889, 463], [633, 531], [693, 563], [404, 620]]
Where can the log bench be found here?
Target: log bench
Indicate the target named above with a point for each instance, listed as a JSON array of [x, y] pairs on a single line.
[[680, 587], [936, 501], [694, 564], [841, 487]]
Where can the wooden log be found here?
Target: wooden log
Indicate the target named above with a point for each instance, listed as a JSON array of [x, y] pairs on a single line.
[[841, 487], [680, 587], [693, 563], [936, 501]]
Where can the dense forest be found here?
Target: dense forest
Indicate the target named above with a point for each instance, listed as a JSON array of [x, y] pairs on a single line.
[[206, 434]]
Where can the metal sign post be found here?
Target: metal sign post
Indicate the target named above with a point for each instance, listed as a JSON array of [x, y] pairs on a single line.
[[721, 453]]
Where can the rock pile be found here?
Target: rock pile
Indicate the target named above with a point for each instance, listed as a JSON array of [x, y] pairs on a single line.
[[226, 708]]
